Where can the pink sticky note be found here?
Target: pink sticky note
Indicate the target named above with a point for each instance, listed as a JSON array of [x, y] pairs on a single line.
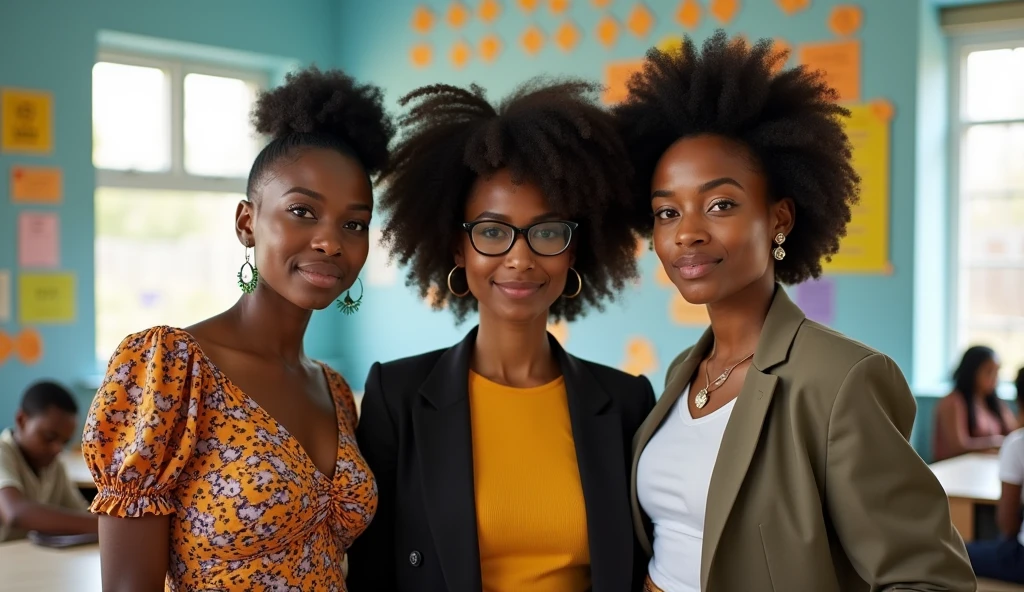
[[38, 239], [817, 298]]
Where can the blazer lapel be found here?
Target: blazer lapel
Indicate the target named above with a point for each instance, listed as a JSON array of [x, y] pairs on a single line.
[[746, 422], [442, 428], [676, 381], [597, 433]]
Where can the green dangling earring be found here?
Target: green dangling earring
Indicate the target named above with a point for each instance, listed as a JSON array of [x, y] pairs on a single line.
[[347, 305], [249, 286]]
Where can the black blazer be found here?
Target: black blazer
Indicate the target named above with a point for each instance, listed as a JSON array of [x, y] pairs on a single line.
[[415, 433]]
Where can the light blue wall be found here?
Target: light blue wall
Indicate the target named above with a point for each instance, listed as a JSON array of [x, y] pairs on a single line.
[[874, 309], [51, 45]]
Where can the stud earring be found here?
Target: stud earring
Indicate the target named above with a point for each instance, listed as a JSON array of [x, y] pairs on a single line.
[[248, 286], [346, 304], [778, 252]]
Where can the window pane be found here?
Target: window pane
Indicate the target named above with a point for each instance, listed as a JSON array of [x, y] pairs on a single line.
[[994, 231], [995, 84], [131, 118], [162, 258], [994, 296], [992, 161], [219, 141]]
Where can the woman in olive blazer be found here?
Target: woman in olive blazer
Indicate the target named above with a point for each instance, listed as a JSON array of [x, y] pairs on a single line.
[[777, 459]]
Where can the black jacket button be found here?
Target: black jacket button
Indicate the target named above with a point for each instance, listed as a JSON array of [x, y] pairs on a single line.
[[415, 559]]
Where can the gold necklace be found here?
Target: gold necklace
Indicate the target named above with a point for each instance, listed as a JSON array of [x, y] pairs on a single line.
[[702, 396]]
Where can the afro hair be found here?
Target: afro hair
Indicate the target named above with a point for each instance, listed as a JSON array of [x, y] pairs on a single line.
[[321, 109], [789, 120], [551, 133]]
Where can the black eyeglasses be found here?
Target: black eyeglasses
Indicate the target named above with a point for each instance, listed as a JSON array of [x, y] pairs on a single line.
[[493, 238]]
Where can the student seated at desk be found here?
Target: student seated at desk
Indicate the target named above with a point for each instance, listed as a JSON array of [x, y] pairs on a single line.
[[1003, 559], [35, 491], [972, 418]]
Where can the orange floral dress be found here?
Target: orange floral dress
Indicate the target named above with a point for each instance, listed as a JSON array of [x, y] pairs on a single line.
[[169, 434]]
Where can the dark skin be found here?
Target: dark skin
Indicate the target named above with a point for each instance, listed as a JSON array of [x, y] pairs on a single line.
[[714, 224], [309, 226], [515, 290], [41, 438]]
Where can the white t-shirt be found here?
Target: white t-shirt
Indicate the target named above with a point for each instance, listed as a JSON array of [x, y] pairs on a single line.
[[672, 482], [1011, 465]]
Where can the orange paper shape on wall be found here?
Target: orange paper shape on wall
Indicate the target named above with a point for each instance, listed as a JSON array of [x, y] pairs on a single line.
[[661, 277], [490, 47], [533, 40], [601, 3], [640, 20], [422, 20], [791, 7], [420, 55], [616, 75], [36, 185], [846, 19], [607, 31], [683, 313], [640, 357], [458, 15], [528, 5], [567, 36], [489, 10], [461, 53], [781, 47], [725, 10], [883, 109], [434, 297], [559, 6], [688, 14], [840, 62], [26, 346], [560, 331]]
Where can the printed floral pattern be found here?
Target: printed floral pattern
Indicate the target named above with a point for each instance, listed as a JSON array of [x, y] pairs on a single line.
[[168, 434]]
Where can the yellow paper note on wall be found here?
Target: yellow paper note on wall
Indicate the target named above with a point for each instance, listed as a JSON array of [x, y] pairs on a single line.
[[26, 118], [46, 298], [865, 248]]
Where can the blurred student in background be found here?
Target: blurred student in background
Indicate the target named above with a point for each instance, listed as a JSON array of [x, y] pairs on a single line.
[[972, 418], [35, 490]]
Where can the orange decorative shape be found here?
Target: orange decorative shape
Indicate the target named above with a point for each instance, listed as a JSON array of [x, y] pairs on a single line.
[[607, 31], [458, 15], [560, 331], [29, 346], [6, 346], [883, 109], [461, 53], [533, 40], [489, 10], [567, 36], [420, 55], [435, 297], [791, 7], [490, 47], [640, 20], [661, 277], [688, 14], [559, 6], [725, 10], [617, 75], [422, 20], [640, 357], [682, 312], [846, 19], [601, 3], [528, 5]]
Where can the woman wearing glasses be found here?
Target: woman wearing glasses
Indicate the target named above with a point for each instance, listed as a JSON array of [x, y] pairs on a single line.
[[502, 462]]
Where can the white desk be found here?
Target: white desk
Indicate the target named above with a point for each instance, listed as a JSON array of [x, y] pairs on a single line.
[[969, 480], [77, 470], [29, 568]]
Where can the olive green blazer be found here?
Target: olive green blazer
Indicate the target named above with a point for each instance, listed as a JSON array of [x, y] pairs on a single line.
[[816, 487]]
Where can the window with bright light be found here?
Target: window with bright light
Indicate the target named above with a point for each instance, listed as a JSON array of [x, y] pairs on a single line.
[[172, 145], [990, 270]]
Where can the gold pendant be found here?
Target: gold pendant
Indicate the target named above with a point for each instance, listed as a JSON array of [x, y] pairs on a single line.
[[701, 399]]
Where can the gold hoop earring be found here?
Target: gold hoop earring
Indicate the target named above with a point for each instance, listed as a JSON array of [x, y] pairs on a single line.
[[778, 252], [579, 285], [450, 289]]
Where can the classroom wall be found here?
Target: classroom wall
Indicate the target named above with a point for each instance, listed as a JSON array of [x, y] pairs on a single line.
[[876, 309], [51, 45]]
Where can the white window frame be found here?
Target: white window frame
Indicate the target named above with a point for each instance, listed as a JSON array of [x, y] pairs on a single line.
[[960, 47], [177, 179]]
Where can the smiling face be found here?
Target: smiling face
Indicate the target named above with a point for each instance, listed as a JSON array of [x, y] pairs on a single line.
[[714, 222], [309, 226], [520, 285]]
